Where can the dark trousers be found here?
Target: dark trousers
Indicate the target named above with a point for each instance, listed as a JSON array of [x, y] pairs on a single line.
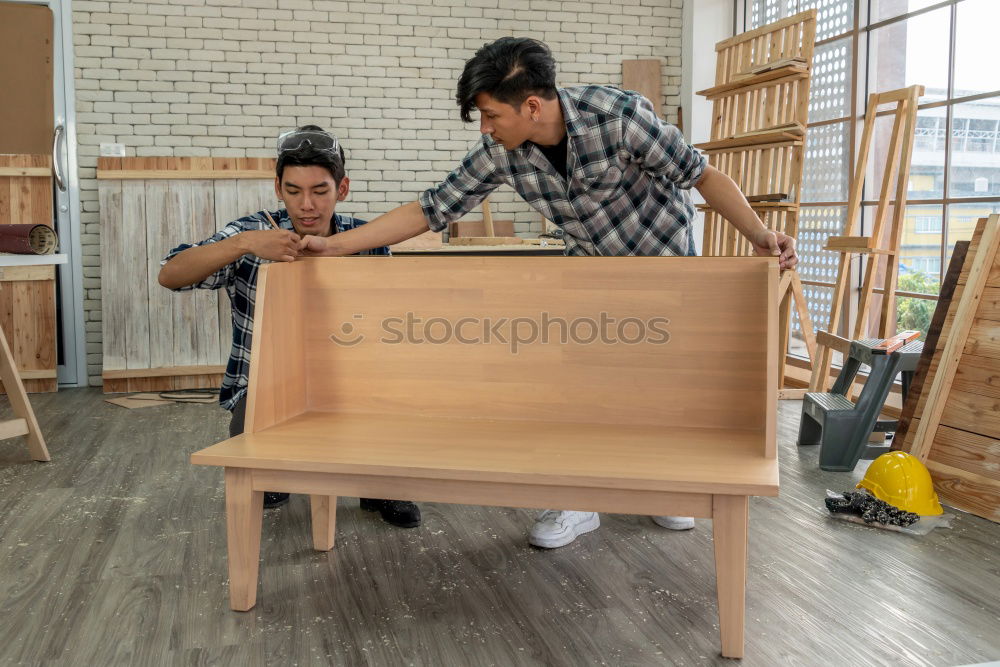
[[239, 416]]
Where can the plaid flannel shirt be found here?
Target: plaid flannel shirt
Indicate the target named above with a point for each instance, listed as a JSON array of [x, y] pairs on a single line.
[[240, 281], [629, 173]]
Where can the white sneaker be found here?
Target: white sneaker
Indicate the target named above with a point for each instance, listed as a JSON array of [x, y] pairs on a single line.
[[674, 522], [554, 528]]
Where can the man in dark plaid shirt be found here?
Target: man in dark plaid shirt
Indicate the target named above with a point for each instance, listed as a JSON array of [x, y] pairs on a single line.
[[310, 180], [594, 160]]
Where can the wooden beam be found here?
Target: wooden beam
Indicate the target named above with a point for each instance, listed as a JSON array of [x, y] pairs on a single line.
[[180, 174], [162, 372]]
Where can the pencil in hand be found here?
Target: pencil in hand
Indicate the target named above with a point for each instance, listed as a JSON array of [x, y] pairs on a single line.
[[271, 220]]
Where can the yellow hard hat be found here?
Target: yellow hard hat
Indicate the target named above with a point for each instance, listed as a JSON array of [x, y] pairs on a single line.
[[901, 480]]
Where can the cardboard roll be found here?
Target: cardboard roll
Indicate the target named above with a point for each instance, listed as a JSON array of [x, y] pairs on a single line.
[[28, 239]]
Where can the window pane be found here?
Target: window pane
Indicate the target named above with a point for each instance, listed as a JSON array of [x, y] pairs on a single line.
[[914, 51], [920, 250], [830, 88], [927, 165], [962, 220], [886, 9], [975, 47], [975, 149], [826, 168]]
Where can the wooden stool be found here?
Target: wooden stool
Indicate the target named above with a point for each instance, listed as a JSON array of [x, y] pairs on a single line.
[[24, 423]]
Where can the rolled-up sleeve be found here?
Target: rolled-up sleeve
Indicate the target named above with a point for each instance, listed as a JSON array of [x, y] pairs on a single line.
[[462, 190], [658, 147]]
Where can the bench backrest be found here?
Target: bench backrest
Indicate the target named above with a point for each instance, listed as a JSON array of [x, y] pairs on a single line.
[[680, 341]]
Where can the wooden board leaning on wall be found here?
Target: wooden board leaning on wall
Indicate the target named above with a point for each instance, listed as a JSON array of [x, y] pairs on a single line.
[[154, 339]]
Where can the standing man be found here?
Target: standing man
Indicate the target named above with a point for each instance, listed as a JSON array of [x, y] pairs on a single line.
[[310, 180], [594, 160]]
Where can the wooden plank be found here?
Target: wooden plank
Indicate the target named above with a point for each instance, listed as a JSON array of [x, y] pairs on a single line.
[[13, 428], [766, 79], [160, 239], [179, 222], [170, 371], [26, 172], [27, 273], [806, 16], [165, 383], [945, 375], [955, 268], [485, 240], [966, 491], [131, 265], [170, 174], [19, 403], [970, 411], [645, 77], [780, 138], [204, 302], [971, 452], [226, 210]]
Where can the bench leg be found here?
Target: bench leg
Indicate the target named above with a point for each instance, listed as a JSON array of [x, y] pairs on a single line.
[[244, 511], [324, 521], [729, 531]]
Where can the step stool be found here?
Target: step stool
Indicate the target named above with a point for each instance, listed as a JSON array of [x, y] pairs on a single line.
[[842, 427]]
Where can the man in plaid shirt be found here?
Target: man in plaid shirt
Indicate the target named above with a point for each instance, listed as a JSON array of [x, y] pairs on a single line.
[[310, 180], [594, 160]]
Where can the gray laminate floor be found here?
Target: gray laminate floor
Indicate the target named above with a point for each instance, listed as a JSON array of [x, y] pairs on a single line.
[[114, 553]]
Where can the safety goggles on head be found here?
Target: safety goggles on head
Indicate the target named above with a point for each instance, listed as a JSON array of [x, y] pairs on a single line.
[[315, 139]]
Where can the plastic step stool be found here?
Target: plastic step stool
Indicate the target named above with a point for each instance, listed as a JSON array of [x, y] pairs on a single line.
[[840, 426]]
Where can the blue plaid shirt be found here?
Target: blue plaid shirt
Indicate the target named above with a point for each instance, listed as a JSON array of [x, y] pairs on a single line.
[[629, 173], [240, 280]]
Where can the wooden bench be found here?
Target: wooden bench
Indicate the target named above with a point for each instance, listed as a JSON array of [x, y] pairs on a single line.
[[673, 416]]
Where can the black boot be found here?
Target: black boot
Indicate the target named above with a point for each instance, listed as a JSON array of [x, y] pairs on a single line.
[[400, 513]]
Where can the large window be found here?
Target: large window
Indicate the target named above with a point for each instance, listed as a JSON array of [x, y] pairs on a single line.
[[949, 47]]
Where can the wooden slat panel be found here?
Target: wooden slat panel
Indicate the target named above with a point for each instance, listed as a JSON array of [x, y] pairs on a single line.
[[160, 239], [114, 281], [966, 491], [644, 76], [226, 210], [29, 309], [205, 302], [972, 411], [185, 315], [133, 267], [971, 452], [167, 383], [164, 329]]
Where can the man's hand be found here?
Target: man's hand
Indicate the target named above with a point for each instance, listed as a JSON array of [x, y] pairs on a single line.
[[313, 246], [767, 242], [280, 245]]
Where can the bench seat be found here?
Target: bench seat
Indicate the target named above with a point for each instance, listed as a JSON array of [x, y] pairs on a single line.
[[637, 457]]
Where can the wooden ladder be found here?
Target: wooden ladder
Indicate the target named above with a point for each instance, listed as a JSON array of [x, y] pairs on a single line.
[[760, 108], [24, 423], [873, 247]]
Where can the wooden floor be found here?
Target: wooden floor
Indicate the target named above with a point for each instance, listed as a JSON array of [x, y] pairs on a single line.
[[114, 553]]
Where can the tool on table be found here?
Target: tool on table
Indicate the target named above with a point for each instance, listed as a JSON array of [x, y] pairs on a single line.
[[893, 343]]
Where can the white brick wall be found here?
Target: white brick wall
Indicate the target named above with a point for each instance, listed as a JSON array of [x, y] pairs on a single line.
[[224, 77]]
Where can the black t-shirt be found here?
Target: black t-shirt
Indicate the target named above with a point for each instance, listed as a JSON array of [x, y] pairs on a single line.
[[556, 155]]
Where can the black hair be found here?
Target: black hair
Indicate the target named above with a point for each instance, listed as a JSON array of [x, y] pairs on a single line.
[[509, 70], [307, 156]]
